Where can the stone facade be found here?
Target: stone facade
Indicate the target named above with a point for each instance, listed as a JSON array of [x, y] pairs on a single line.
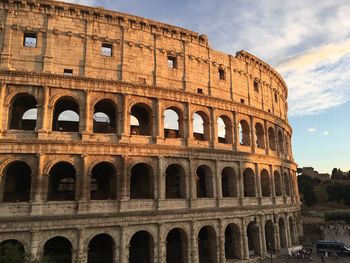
[[87, 158]]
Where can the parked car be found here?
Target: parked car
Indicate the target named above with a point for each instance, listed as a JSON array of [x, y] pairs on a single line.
[[332, 247]]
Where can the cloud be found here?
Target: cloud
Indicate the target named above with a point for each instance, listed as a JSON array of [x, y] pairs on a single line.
[[325, 132], [312, 130]]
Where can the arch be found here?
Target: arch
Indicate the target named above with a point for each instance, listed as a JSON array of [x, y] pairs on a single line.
[[105, 117], [265, 183], [249, 183], [244, 133], [253, 238], [272, 139], [141, 248], [143, 114], [278, 183], [176, 246], [229, 182], [175, 182], [58, 249], [173, 123], [269, 236], [282, 232], [101, 249], [224, 129], [12, 250], [293, 238], [62, 179], [232, 242], [17, 182], [260, 136], [201, 127], [207, 245], [286, 183], [204, 178], [281, 142], [141, 182], [66, 115], [103, 182], [23, 112]]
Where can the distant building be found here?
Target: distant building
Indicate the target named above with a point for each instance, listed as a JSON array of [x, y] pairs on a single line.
[[310, 171]]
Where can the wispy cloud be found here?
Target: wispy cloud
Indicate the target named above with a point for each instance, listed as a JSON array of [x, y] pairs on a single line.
[[325, 132], [312, 130]]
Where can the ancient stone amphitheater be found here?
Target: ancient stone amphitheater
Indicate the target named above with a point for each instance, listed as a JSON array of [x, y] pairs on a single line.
[[123, 139]]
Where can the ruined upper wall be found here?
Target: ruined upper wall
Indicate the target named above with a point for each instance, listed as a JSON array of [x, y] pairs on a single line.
[[71, 36]]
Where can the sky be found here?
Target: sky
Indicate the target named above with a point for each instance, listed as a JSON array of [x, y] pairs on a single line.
[[307, 42]]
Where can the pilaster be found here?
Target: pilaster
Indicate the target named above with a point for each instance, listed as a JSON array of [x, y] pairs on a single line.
[[48, 57], [7, 40]]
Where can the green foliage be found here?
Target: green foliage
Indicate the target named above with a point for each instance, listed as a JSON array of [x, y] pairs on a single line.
[[306, 186]]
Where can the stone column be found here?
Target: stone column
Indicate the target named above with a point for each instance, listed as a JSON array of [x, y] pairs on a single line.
[[267, 142], [48, 57], [244, 238], [155, 120], [262, 236], [214, 128], [160, 120], [221, 247], [272, 183], [88, 47], [189, 122], [84, 186], [2, 111], [161, 246], [240, 182], [277, 237], [38, 187], [257, 182], [184, 76], [82, 253], [34, 245], [194, 242], [124, 188], [235, 132], [43, 125], [86, 122], [218, 180], [2, 186], [125, 120], [161, 178], [252, 134], [124, 247], [7, 39], [288, 234]]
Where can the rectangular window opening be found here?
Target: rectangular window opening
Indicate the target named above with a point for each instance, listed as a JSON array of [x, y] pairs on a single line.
[[276, 98], [30, 40], [200, 91], [106, 50], [256, 86], [172, 62], [242, 101], [221, 74], [68, 72]]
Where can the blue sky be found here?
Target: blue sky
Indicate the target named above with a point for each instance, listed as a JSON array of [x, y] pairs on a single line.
[[308, 42]]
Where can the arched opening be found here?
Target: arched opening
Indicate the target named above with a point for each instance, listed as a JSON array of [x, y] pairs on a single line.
[[103, 182], [62, 179], [286, 183], [201, 128], [12, 251], [175, 184], [105, 117], [176, 246], [204, 178], [229, 182], [249, 183], [280, 142], [224, 129], [173, 127], [292, 231], [141, 182], [244, 133], [17, 182], [101, 249], [232, 242], [141, 248], [23, 112], [59, 250], [66, 115], [272, 139], [207, 245], [253, 239], [278, 183], [260, 136], [269, 236], [283, 237], [141, 120], [265, 183]]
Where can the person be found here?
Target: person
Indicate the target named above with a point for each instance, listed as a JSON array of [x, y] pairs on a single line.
[[322, 258]]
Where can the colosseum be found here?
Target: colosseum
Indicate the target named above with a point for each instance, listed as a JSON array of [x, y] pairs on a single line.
[[124, 139]]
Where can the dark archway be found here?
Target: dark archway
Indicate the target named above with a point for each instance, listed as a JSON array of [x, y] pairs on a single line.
[[207, 245], [265, 183], [201, 127], [23, 112], [105, 117], [141, 248], [66, 115], [101, 249], [232, 242], [141, 182], [249, 183], [224, 129], [281, 142], [229, 182], [141, 120], [253, 238], [244, 133], [173, 123], [12, 251], [204, 178], [269, 236], [278, 183], [176, 246], [260, 136], [282, 232], [272, 139], [103, 182], [286, 183], [17, 182], [175, 182], [59, 250], [62, 178]]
